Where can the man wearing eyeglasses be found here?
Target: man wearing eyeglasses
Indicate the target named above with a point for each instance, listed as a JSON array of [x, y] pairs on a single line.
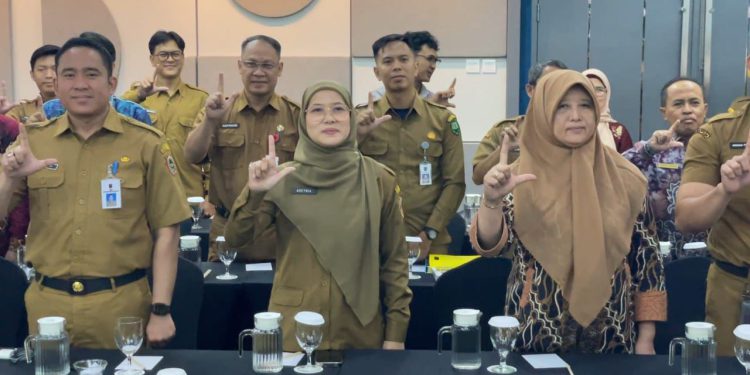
[[425, 47], [173, 103], [233, 132]]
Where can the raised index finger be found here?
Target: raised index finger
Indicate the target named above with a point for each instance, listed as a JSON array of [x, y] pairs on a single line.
[[674, 126], [271, 147], [504, 150], [221, 83], [370, 102], [3, 89], [747, 146], [453, 85], [23, 137]]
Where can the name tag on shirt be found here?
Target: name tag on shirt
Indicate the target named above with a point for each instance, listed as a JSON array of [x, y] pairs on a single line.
[[667, 165], [737, 145], [425, 173], [305, 190], [232, 125], [111, 194]]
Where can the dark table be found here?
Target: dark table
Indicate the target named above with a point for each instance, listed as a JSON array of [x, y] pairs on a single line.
[[229, 306], [410, 362]]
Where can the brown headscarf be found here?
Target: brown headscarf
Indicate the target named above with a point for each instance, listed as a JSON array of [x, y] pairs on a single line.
[[342, 221], [577, 218], [605, 117]]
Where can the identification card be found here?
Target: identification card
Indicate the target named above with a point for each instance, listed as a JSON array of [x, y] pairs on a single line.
[[425, 173], [111, 194]]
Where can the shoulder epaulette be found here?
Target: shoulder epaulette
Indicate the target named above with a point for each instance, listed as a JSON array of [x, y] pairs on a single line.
[[196, 88], [131, 121], [508, 121], [290, 101], [725, 116]]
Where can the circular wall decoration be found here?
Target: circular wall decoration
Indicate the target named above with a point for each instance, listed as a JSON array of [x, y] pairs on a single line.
[[275, 8]]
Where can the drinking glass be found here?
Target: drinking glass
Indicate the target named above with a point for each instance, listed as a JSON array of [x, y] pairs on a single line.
[[503, 332], [129, 337], [413, 255], [742, 345], [226, 255], [309, 334], [195, 204]]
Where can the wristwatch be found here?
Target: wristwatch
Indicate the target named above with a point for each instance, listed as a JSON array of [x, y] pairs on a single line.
[[160, 309], [431, 233]]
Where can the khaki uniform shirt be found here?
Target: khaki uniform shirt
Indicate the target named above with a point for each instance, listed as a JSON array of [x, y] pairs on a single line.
[[241, 139], [719, 140], [397, 144], [70, 234], [302, 284], [175, 116], [25, 109], [488, 151]]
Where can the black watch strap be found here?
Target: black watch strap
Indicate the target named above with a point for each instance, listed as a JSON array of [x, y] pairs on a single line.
[[160, 309]]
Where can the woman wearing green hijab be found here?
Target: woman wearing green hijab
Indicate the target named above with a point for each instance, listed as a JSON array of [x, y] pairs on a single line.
[[340, 241]]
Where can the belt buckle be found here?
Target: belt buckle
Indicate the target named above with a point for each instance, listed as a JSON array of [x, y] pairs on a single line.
[[77, 287]]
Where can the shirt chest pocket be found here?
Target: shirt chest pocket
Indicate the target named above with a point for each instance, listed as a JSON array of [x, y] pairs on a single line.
[[133, 195], [46, 194], [375, 149], [230, 149], [434, 153]]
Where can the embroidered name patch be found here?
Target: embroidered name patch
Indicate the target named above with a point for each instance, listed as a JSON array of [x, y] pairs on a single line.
[[304, 190]]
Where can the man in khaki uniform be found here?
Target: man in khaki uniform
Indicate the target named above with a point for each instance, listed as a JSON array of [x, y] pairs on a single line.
[[174, 103], [714, 194], [105, 203], [488, 151], [233, 132], [43, 73], [417, 139]]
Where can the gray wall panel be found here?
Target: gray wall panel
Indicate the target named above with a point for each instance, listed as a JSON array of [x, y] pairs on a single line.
[[661, 59], [615, 49], [728, 40], [562, 28]]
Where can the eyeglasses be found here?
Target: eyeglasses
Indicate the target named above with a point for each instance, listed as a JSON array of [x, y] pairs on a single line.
[[599, 90], [434, 60], [317, 113], [165, 55], [254, 65]]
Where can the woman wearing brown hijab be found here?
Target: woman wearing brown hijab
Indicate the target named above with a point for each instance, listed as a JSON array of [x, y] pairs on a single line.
[[586, 268], [340, 240], [611, 132]]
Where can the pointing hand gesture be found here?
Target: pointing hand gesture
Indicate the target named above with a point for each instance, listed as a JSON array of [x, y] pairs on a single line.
[[5, 103], [265, 173], [19, 162], [499, 181], [735, 172], [442, 97], [217, 105], [148, 87], [663, 140], [366, 119]]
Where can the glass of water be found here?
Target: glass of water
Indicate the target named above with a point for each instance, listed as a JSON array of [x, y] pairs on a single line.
[[195, 205], [226, 255], [742, 345], [412, 246], [129, 337], [503, 332], [309, 334]]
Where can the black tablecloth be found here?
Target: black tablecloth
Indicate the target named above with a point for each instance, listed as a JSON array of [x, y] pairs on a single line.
[[229, 306], [367, 362]]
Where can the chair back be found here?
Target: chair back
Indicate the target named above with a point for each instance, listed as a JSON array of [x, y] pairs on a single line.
[[187, 299], [13, 325]]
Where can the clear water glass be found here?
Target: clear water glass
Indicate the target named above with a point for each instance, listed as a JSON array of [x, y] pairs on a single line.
[[226, 255], [503, 333], [196, 206], [309, 334], [129, 338], [742, 346], [412, 258]]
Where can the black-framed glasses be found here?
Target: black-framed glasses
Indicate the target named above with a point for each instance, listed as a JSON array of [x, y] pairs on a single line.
[[431, 59], [165, 55], [254, 65]]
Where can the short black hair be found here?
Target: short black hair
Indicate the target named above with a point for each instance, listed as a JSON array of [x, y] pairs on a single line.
[[107, 59], [103, 41], [417, 39], [385, 40], [536, 71], [163, 36], [265, 38], [45, 50], [672, 82]]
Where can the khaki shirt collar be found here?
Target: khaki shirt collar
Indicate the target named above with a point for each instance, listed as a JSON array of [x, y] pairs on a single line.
[[274, 102], [418, 106], [111, 122]]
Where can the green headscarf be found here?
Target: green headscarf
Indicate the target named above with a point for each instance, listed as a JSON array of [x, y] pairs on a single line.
[[342, 219]]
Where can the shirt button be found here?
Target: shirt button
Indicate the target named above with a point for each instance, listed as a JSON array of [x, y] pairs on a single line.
[[324, 283], [78, 232], [83, 173], [82, 201]]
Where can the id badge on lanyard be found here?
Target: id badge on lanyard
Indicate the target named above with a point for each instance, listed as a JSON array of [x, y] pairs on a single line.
[[425, 167], [111, 189]]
